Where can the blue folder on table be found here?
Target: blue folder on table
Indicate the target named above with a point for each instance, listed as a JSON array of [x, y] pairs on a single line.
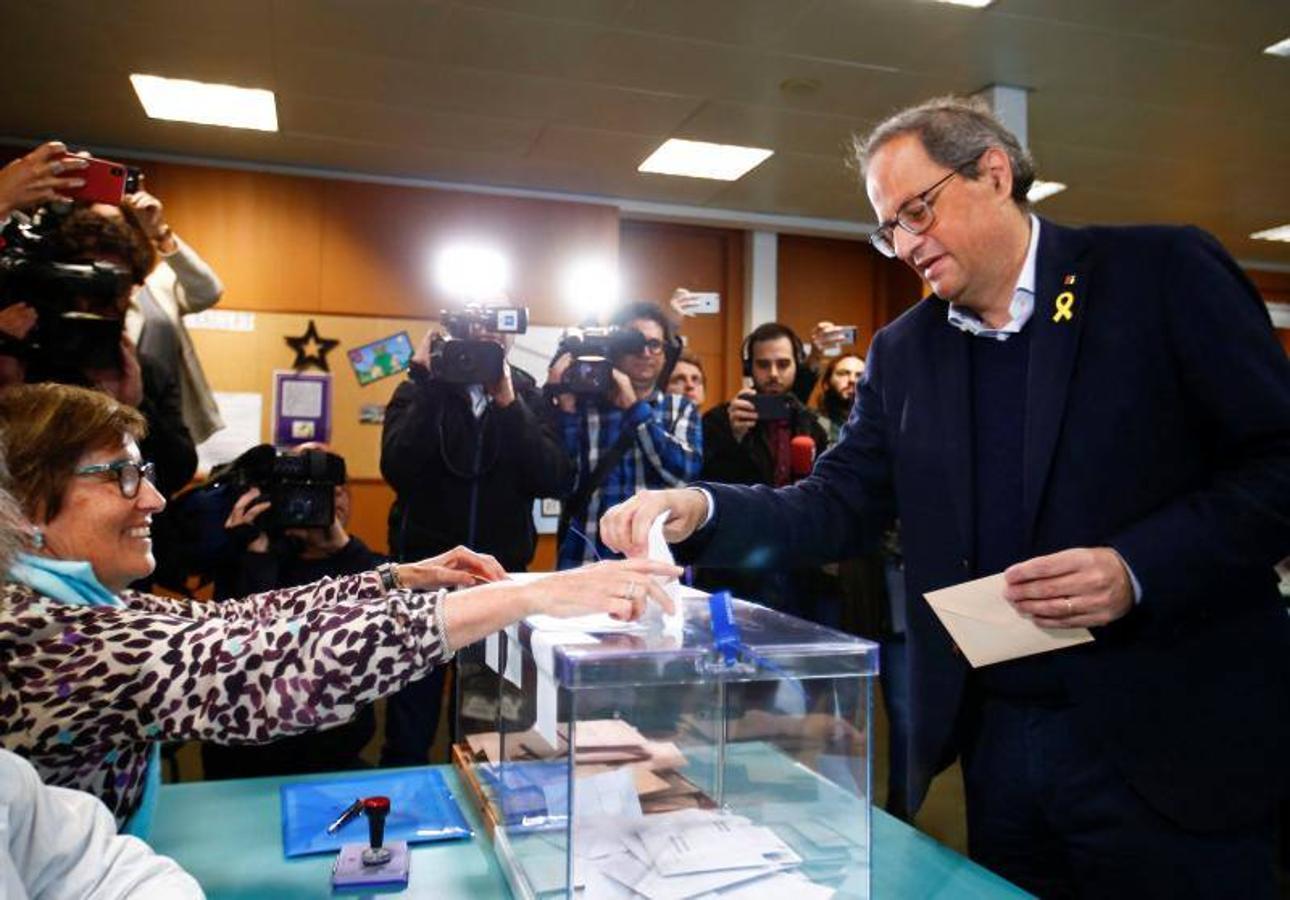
[[422, 809]]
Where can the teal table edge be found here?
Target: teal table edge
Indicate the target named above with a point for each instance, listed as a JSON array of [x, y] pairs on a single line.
[[228, 834]]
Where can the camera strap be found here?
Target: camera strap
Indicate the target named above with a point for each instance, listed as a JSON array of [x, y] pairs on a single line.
[[574, 508]]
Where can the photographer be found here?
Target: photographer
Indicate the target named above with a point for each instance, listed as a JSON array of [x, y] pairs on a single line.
[[182, 283], [266, 556], [467, 461], [765, 435], [631, 437], [67, 277]]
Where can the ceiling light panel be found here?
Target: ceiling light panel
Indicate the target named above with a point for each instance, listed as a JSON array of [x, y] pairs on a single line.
[[1280, 233], [179, 100], [699, 159], [975, 4], [1280, 48], [1041, 189]]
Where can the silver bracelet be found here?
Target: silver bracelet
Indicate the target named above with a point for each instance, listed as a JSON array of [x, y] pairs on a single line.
[[442, 626]]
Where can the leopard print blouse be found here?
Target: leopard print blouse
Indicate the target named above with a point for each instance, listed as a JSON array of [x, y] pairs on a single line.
[[85, 690]]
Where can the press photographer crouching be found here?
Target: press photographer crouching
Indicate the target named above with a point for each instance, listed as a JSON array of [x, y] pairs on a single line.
[[287, 528], [620, 430], [467, 450]]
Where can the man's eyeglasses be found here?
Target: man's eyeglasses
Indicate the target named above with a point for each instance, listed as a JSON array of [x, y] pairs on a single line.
[[129, 474], [653, 345], [915, 215]]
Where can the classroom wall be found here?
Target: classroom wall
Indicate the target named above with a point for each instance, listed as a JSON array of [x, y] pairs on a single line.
[[846, 282]]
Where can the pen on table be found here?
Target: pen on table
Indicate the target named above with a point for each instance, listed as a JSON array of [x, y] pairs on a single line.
[[350, 812]]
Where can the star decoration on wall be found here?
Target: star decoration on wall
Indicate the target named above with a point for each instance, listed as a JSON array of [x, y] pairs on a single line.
[[311, 350]]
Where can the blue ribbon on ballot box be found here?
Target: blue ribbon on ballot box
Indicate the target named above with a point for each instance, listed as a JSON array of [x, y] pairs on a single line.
[[728, 643]]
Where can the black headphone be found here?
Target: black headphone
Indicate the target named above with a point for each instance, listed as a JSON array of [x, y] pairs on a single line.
[[769, 332]]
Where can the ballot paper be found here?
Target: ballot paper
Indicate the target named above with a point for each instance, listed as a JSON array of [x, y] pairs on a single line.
[[606, 807], [543, 644], [596, 623], [491, 654], [674, 622], [514, 655], [691, 853], [987, 628]]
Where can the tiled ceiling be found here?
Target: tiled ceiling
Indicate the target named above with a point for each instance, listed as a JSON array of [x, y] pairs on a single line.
[[1152, 110]]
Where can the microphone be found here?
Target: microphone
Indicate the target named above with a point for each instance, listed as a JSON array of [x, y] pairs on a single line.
[[801, 456]]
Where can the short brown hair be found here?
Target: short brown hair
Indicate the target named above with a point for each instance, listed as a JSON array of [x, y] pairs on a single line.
[[87, 234], [45, 431], [689, 356]]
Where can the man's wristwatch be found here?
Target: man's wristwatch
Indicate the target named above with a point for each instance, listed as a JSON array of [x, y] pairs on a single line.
[[390, 580]]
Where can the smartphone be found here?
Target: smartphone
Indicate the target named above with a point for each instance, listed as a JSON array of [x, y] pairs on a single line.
[[838, 337], [105, 181], [771, 406], [846, 333], [704, 303]]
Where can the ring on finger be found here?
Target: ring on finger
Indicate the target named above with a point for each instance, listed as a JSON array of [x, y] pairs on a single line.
[[56, 166], [630, 593], [1070, 607]]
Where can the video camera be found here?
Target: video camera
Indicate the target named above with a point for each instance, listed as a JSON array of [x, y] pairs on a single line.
[[77, 322], [464, 359], [301, 487], [592, 352]]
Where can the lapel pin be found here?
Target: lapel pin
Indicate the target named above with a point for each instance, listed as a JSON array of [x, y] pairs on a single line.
[[1065, 303], [1068, 280]]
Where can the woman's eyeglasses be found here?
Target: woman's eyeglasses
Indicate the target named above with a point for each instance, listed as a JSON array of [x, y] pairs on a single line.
[[129, 474]]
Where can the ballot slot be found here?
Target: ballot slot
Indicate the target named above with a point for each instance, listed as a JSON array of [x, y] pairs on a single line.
[[635, 763]]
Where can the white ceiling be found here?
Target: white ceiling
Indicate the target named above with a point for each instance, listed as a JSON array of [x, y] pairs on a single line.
[[1151, 110]]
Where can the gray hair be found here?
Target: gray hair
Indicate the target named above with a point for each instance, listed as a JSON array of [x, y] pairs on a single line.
[[954, 131]]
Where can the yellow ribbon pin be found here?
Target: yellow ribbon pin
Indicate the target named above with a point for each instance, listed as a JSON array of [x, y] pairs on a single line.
[[1065, 301]]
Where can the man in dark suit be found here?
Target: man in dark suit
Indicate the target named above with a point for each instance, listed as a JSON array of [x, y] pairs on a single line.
[[1104, 415]]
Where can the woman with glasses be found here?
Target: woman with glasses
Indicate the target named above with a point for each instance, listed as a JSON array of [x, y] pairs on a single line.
[[58, 842], [94, 675]]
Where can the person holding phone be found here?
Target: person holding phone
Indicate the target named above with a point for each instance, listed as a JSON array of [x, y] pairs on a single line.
[[182, 283], [751, 440], [44, 175]]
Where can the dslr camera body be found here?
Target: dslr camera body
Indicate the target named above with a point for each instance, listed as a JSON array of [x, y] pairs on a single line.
[[591, 353], [462, 358], [301, 487], [79, 319]]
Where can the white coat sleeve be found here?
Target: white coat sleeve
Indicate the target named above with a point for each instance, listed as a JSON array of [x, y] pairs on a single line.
[[61, 843]]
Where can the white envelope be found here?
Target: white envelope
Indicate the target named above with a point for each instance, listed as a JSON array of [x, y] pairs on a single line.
[[987, 628]]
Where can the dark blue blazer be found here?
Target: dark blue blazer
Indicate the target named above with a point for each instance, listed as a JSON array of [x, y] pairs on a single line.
[[1157, 423]]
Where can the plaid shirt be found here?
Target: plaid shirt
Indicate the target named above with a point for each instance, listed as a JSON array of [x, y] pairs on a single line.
[[667, 452]]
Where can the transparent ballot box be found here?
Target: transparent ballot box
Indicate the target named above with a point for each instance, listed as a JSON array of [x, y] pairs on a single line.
[[620, 760]]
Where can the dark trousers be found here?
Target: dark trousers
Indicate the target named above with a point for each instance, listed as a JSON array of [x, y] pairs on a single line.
[[1048, 811], [893, 675], [411, 716]]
